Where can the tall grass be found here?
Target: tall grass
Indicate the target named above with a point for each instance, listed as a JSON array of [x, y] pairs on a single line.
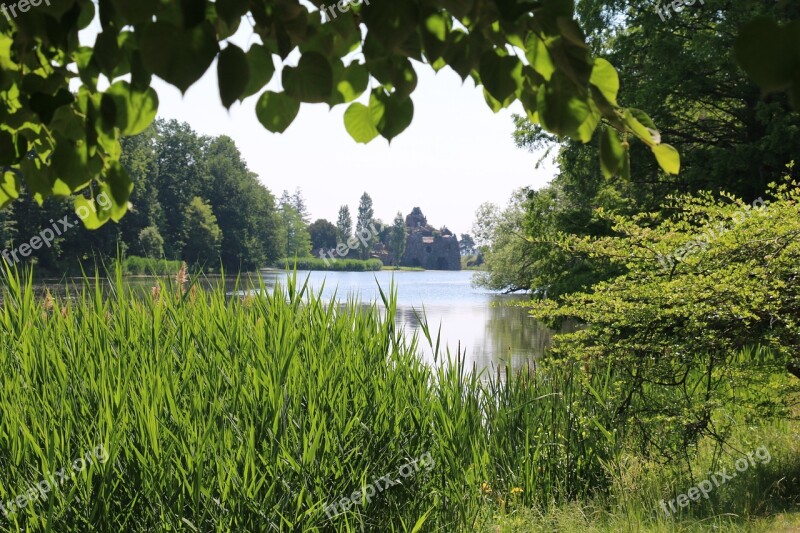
[[222, 413]]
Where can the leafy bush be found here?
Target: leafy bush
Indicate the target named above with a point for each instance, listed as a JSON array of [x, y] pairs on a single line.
[[686, 339], [338, 265]]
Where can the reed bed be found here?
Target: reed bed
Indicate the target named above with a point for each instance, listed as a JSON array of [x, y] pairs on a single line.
[[222, 413]]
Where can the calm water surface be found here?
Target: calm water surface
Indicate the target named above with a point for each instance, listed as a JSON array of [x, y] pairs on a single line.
[[492, 334]]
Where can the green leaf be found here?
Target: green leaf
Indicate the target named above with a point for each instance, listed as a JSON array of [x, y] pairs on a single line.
[[647, 135], [119, 187], [612, 153], [762, 49], [233, 72], [178, 56], [276, 111], [501, 75], [606, 79], [92, 214], [9, 188], [129, 110], [351, 82], [361, 121], [261, 69], [539, 57], [586, 130], [231, 10], [560, 107], [397, 113], [311, 80], [668, 158], [135, 12], [8, 149]]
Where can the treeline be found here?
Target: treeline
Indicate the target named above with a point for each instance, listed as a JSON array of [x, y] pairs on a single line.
[[194, 199]]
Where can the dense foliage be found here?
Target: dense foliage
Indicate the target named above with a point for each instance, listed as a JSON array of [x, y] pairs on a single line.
[[58, 142], [719, 278], [195, 200], [684, 72]]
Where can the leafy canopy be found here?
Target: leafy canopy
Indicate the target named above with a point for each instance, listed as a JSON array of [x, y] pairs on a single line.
[[59, 142]]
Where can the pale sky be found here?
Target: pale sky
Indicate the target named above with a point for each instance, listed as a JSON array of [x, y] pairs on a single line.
[[456, 154]]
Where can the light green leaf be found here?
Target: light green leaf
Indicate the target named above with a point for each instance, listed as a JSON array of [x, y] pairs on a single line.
[[360, 122], [606, 79], [668, 158]]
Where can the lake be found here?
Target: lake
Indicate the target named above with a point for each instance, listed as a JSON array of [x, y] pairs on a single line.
[[492, 334]]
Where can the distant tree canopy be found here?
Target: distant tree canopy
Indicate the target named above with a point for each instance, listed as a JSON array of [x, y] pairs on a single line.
[[172, 167], [323, 234]]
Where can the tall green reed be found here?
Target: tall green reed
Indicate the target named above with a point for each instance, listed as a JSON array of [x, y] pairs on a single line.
[[225, 413]]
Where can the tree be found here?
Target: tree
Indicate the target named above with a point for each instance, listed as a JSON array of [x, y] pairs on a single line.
[[245, 209], [299, 205], [467, 244], [363, 221], [344, 225], [506, 251], [397, 238], [323, 234], [151, 242], [295, 234], [560, 83], [202, 236], [181, 175]]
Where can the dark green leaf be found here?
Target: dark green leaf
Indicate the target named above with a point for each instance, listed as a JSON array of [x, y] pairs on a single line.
[[501, 75], [233, 73], [311, 80], [178, 56], [276, 111], [612, 153], [761, 49]]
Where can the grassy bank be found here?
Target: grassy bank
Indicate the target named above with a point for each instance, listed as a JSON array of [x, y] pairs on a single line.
[[145, 266], [283, 412], [337, 265]]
